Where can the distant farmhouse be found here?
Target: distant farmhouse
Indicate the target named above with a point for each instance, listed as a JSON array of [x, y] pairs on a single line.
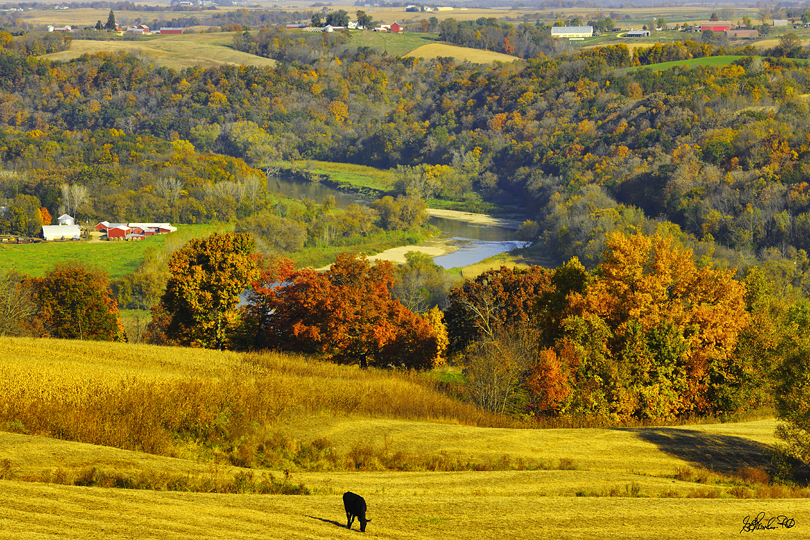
[[52, 28], [393, 27], [140, 29], [638, 33], [133, 231], [572, 31]]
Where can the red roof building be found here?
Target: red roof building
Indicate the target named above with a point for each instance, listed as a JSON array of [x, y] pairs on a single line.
[[718, 26], [118, 232]]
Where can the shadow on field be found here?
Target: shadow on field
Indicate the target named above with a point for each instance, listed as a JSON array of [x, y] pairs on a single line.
[[721, 453], [338, 524]]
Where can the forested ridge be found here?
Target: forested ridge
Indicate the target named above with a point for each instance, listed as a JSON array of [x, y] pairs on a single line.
[[721, 152], [679, 201]]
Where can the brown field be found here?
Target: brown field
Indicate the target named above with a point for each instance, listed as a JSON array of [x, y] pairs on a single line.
[[176, 51]]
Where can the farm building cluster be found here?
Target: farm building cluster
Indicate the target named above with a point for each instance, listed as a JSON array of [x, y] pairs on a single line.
[[132, 231], [67, 229], [137, 29], [730, 30]]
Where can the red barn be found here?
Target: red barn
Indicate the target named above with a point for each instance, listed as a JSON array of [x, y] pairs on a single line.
[[718, 26], [396, 28], [120, 232], [171, 31]]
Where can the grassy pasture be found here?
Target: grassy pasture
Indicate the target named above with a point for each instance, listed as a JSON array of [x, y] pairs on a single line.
[[355, 177], [173, 51], [668, 482], [711, 61], [116, 258], [393, 44]]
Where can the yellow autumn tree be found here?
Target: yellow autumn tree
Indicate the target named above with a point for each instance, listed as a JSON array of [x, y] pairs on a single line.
[[651, 336]]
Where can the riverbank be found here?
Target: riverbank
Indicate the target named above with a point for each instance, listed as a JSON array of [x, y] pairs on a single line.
[[474, 219], [435, 247]]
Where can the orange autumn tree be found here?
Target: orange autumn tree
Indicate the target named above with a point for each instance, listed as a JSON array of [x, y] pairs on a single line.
[[46, 216], [651, 336], [345, 315]]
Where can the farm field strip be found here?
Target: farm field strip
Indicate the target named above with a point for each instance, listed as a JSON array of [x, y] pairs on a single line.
[[50, 511]]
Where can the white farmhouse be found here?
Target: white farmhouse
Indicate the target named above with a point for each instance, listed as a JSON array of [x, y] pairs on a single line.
[[65, 219]]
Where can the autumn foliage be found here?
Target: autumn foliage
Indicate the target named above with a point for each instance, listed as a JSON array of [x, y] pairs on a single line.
[[345, 315], [650, 336], [208, 275], [73, 302]]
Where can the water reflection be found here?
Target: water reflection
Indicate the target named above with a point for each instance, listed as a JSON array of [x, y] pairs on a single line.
[[477, 242], [474, 252]]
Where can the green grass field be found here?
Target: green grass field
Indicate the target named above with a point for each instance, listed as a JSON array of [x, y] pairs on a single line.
[[116, 258], [682, 482], [712, 61], [393, 44], [355, 177]]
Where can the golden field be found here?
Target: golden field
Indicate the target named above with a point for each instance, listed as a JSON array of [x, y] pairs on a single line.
[[476, 56], [428, 466], [172, 51]]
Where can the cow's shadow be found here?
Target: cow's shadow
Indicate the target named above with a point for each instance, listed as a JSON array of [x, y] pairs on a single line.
[[721, 453], [333, 522]]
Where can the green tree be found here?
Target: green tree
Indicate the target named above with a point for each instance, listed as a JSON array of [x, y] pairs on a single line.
[[23, 216], [363, 19], [792, 390], [208, 275], [421, 283], [73, 302], [338, 18], [110, 22]]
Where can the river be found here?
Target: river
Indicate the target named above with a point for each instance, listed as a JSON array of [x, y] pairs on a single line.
[[462, 241]]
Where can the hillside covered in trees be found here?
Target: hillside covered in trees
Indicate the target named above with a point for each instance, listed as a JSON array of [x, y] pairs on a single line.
[[679, 201]]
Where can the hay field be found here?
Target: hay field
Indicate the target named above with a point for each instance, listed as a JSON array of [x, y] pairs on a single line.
[[476, 56], [529, 483], [172, 51], [585, 503]]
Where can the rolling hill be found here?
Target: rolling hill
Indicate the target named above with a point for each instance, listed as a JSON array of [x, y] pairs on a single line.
[[424, 474]]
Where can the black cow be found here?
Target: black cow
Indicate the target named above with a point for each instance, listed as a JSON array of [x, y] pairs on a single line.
[[355, 506]]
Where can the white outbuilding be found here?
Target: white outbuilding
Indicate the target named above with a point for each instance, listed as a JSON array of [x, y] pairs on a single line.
[[572, 31], [61, 232]]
